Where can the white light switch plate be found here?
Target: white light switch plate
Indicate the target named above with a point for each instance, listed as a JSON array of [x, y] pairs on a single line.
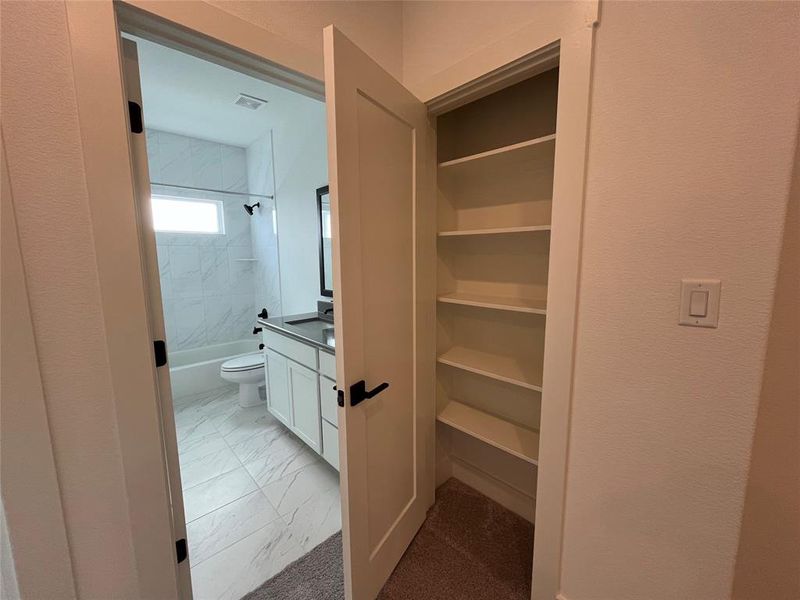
[[711, 287]]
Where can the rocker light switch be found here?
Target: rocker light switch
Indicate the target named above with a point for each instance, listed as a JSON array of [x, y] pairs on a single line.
[[699, 302]]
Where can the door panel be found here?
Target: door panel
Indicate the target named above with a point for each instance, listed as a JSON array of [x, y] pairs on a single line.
[[278, 399], [383, 218], [303, 387]]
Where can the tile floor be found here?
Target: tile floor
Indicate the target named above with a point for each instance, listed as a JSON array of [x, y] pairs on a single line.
[[256, 497]]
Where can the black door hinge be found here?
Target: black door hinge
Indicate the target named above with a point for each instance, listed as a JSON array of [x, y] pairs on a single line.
[[181, 550], [339, 397], [160, 351], [135, 114]]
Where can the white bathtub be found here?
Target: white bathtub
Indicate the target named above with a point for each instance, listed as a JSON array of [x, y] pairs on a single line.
[[197, 369]]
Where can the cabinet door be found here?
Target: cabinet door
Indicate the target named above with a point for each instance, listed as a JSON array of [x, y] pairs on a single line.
[[304, 392], [278, 400]]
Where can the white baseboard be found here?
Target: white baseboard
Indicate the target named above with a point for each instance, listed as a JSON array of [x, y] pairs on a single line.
[[499, 491]]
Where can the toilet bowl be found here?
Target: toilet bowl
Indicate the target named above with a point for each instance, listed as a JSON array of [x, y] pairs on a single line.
[[248, 372]]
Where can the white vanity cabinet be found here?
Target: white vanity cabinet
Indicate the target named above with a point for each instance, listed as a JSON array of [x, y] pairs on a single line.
[[304, 395], [278, 398], [300, 381]]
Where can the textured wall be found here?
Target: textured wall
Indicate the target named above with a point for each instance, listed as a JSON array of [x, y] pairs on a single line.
[[377, 27], [693, 121], [206, 290], [769, 547], [46, 169]]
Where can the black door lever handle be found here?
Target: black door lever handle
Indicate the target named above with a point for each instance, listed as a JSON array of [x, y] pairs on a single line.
[[359, 393]]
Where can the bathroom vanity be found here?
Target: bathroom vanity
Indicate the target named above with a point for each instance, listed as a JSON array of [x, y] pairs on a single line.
[[301, 377]]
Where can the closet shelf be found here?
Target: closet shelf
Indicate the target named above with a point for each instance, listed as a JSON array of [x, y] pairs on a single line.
[[496, 151], [495, 230], [505, 435], [503, 368], [523, 305]]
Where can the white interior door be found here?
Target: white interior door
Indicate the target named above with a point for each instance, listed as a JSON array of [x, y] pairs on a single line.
[[158, 331], [383, 218]]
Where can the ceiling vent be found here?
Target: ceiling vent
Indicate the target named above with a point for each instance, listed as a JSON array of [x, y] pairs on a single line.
[[248, 101]]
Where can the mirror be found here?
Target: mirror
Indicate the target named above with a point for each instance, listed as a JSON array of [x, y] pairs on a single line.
[[325, 243]]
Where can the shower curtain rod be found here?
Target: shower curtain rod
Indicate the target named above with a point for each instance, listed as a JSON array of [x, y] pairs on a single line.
[[201, 189]]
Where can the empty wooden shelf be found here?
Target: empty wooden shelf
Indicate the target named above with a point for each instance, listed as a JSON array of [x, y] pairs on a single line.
[[521, 146], [495, 230], [527, 374], [523, 305], [500, 433]]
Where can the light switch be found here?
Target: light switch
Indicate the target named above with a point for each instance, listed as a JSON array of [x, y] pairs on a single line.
[[699, 302]]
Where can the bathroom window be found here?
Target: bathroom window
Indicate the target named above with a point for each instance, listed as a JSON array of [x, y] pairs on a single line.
[[188, 215]]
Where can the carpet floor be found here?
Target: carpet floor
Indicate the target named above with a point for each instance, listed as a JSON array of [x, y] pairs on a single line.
[[469, 547]]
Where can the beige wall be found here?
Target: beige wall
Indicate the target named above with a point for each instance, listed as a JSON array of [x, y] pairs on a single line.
[[768, 560], [693, 124], [377, 27], [693, 117]]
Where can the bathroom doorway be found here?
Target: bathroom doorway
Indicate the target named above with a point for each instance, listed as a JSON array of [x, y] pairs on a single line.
[[234, 167]]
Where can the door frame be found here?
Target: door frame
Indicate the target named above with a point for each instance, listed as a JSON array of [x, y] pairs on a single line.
[[149, 461], [567, 43], [213, 34]]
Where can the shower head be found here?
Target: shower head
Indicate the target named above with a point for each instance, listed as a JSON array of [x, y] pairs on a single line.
[[249, 208]]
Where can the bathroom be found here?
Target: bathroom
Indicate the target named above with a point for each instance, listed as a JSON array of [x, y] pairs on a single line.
[[238, 176]]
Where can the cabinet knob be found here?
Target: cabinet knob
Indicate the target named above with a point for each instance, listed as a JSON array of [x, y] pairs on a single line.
[[263, 314], [261, 346], [257, 330]]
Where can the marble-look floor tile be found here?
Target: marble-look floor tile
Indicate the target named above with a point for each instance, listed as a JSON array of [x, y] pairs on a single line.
[[201, 435], [243, 423], [227, 525], [289, 492], [269, 442], [316, 520], [216, 493], [243, 566], [288, 456], [205, 463]]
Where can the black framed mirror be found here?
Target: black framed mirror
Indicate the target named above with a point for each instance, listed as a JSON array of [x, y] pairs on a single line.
[[325, 242]]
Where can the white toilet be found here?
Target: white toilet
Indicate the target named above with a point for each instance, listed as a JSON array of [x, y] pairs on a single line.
[[248, 372]]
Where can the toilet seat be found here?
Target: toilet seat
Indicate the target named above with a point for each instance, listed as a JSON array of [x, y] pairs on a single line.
[[249, 362]]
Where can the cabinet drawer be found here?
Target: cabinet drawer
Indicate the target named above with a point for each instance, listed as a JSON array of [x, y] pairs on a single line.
[[330, 444], [297, 351], [327, 365], [327, 397]]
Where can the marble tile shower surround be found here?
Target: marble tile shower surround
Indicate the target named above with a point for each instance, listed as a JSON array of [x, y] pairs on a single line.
[[256, 498], [209, 293]]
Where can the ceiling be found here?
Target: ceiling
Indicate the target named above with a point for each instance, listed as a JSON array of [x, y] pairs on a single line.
[[190, 96]]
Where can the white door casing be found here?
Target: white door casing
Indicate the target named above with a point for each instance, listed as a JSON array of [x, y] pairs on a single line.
[[383, 219], [157, 325]]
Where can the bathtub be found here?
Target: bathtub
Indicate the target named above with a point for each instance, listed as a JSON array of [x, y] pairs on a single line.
[[197, 369]]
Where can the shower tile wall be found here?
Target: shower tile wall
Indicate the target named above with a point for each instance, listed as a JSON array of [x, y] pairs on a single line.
[[208, 294]]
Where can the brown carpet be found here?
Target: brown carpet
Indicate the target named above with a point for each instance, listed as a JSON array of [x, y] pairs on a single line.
[[469, 547]]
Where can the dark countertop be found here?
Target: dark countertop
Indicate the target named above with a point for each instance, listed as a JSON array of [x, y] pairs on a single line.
[[317, 333]]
